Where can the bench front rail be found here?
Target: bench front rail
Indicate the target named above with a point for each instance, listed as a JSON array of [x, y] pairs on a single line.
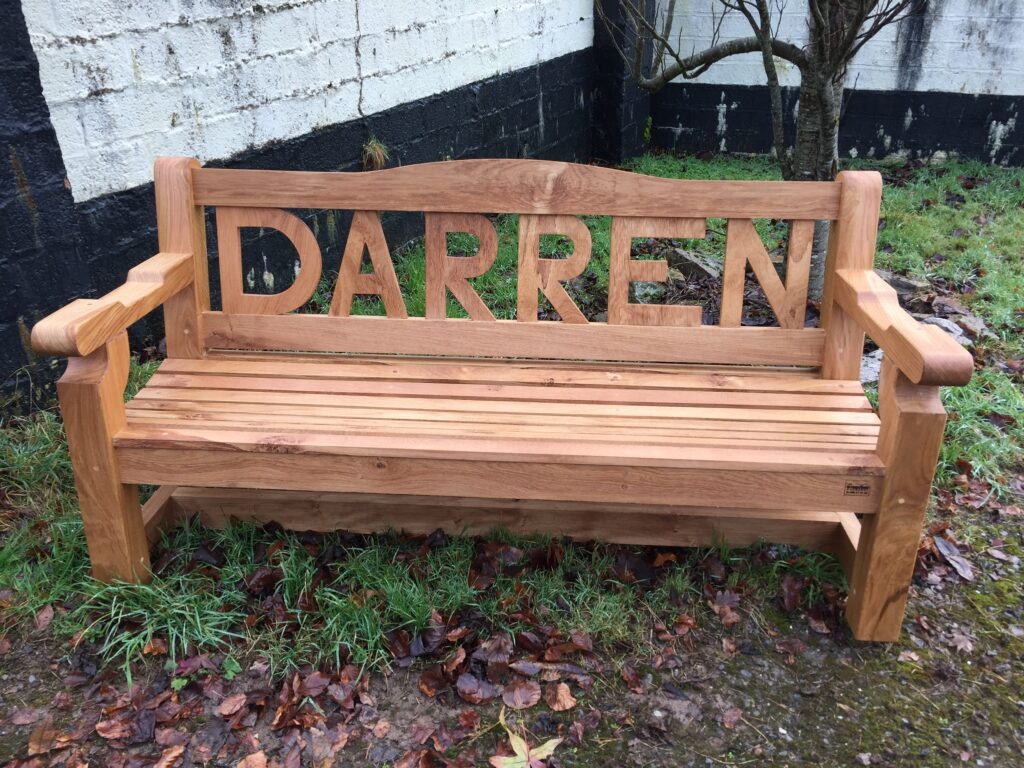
[[650, 428]]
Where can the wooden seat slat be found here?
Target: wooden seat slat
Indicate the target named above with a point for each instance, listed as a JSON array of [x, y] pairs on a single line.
[[484, 361], [527, 450], [514, 406], [301, 413], [506, 372], [578, 394], [318, 423]]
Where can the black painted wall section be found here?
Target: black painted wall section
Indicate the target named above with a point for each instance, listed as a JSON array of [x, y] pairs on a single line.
[[39, 259], [696, 117], [621, 109], [63, 251]]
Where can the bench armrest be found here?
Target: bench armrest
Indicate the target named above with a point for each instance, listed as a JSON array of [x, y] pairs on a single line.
[[924, 353], [85, 325]]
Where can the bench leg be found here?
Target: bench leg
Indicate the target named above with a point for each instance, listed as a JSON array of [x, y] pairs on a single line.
[[911, 436], [91, 395]]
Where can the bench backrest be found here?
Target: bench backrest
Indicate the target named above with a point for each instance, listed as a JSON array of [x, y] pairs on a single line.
[[549, 197]]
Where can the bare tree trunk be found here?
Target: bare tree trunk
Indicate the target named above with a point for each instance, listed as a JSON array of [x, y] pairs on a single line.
[[815, 155]]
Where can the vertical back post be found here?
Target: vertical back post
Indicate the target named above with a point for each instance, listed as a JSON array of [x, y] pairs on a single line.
[[851, 245], [181, 228]]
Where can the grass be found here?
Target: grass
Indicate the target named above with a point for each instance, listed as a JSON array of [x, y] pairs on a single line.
[[338, 597]]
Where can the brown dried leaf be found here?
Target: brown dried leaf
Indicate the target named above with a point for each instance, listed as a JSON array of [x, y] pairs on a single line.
[[255, 760], [314, 685], [792, 591], [469, 719], [792, 646], [432, 681], [44, 617], [114, 729], [521, 694], [474, 690], [170, 757], [684, 623], [231, 705], [455, 661], [664, 557], [25, 716], [632, 679], [732, 717], [559, 697], [43, 738], [497, 648]]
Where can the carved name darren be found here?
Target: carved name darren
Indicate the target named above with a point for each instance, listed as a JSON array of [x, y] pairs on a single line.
[[446, 273]]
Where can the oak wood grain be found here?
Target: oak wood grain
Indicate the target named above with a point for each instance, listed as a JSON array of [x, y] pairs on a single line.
[[366, 234], [181, 228], [517, 186], [85, 325], [511, 339], [234, 299]]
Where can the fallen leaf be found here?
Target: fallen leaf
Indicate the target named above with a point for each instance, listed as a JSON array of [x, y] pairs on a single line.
[[171, 737], [732, 717], [521, 694], [432, 681], [818, 624], [456, 660], [684, 623], [381, 729], [43, 738], [792, 591], [231, 705], [170, 757], [908, 656], [314, 684], [497, 648], [469, 719], [632, 679], [24, 717], [559, 697], [156, 646], [523, 755], [415, 758], [793, 646], [113, 730], [255, 760], [961, 642], [952, 555], [664, 557], [44, 617], [729, 646], [474, 690], [263, 579]]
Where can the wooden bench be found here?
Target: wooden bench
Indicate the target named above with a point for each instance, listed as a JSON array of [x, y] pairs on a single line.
[[648, 429]]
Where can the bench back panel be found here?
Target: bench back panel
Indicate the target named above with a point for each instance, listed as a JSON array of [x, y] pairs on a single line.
[[548, 197]]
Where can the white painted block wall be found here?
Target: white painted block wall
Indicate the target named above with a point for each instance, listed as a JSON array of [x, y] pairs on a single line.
[[127, 81], [975, 46]]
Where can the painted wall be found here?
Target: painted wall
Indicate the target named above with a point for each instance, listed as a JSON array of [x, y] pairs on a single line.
[[125, 82], [959, 46], [949, 78]]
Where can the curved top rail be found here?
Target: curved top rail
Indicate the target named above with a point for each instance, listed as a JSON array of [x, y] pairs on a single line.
[[516, 186]]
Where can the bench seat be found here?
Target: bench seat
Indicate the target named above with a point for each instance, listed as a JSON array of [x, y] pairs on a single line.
[[619, 428]]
